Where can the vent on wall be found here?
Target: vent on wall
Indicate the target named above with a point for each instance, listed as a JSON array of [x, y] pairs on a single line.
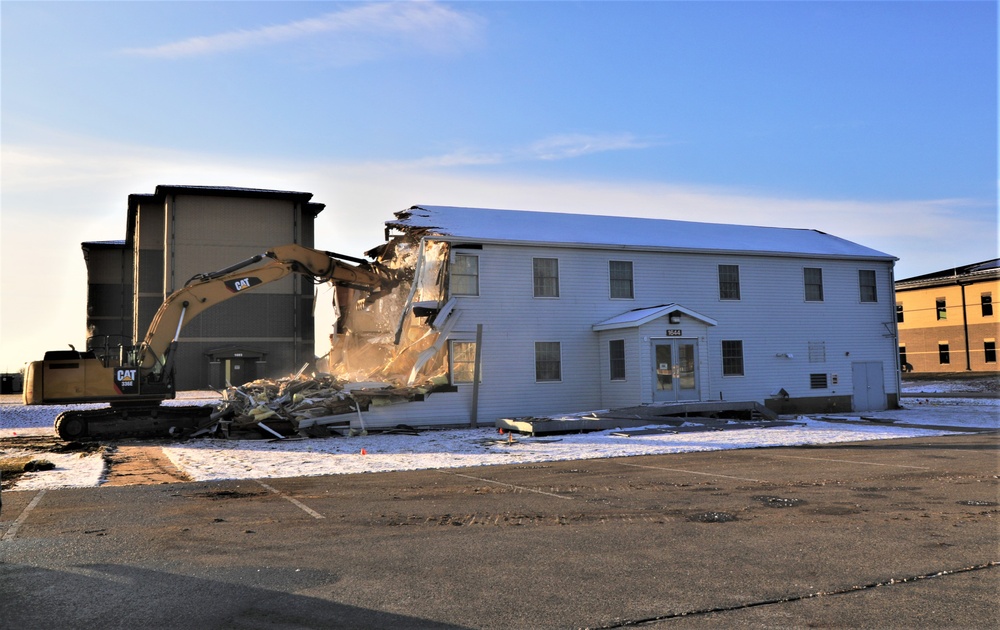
[[817, 381]]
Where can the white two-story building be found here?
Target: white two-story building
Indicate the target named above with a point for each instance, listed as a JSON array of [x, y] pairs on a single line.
[[582, 312]]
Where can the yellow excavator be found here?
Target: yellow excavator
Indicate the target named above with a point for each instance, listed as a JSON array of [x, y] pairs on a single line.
[[136, 379]]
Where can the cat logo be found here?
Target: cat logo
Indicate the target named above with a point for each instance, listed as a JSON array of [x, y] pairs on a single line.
[[125, 380], [125, 377], [242, 284]]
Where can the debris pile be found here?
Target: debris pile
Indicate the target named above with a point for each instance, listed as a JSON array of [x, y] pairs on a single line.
[[308, 406]]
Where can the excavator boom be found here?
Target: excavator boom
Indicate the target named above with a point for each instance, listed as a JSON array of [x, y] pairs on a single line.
[[135, 381]]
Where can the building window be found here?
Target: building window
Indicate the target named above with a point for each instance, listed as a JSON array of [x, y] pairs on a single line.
[[899, 313], [548, 361], [729, 282], [987, 302], [732, 358], [616, 350], [902, 357], [944, 355], [817, 381], [990, 350], [942, 308], [465, 275], [814, 284], [463, 362], [866, 282], [620, 272], [546, 275]]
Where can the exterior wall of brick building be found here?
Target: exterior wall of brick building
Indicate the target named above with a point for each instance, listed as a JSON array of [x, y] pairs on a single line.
[[948, 321]]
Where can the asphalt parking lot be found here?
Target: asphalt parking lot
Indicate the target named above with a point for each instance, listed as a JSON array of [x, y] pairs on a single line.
[[887, 534]]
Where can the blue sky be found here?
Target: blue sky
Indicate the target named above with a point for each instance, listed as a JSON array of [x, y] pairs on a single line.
[[875, 121]]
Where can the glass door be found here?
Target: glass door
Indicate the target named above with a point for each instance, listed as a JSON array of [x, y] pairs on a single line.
[[675, 370]]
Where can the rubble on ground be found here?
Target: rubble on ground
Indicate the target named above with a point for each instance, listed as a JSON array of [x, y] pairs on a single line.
[[318, 405]]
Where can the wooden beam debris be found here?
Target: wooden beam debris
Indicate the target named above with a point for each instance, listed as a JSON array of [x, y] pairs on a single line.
[[304, 405]]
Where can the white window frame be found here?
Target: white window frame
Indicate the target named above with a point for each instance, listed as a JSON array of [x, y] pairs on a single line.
[[539, 282], [739, 288], [806, 284], [469, 364], [452, 275], [612, 280], [623, 359], [558, 365]]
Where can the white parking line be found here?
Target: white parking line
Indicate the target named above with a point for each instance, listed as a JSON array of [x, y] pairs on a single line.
[[23, 516], [500, 483], [848, 461], [692, 472], [299, 504]]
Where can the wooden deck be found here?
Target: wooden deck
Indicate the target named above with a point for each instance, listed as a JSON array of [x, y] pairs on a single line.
[[715, 414]]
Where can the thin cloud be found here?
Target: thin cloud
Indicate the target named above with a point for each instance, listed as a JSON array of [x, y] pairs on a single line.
[[552, 148], [565, 146], [425, 25]]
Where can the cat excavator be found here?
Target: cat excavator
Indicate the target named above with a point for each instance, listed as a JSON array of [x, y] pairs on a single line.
[[135, 380]]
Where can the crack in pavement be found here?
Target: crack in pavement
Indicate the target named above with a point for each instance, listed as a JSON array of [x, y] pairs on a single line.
[[795, 598]]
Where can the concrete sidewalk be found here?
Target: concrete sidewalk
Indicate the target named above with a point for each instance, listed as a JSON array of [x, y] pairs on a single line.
[[887, 534]]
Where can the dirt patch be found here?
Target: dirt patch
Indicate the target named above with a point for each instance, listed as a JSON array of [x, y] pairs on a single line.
[[136, 465], [126, 464]]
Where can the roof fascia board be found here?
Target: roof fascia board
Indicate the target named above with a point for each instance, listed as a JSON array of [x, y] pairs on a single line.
[[968, 278]]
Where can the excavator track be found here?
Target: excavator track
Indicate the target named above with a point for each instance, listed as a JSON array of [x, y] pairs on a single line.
[[110, 423]]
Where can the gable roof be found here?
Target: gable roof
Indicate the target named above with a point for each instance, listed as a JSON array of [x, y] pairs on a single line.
[[638, 317], [583, 230]]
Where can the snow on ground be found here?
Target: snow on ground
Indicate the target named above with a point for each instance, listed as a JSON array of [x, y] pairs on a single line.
[[211, 459]]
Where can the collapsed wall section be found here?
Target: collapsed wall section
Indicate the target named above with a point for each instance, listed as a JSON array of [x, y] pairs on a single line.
[[396, 337]]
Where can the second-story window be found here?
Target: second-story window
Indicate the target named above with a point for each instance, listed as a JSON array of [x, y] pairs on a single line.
[[620, 272], [987, 303], [941, 306], [814, 284], [899, 313], [729, 282], [866, 282], [546, 277], [464, 279]]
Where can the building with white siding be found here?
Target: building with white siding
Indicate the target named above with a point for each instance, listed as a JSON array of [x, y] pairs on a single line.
[[582, 312]]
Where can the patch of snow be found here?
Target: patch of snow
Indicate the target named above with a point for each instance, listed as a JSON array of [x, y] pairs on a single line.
[[211, 459]]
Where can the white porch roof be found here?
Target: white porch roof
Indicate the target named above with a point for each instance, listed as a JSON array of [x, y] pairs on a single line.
[[640, 316]]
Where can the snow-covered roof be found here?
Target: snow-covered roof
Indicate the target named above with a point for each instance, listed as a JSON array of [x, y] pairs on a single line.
[[551, 228], [638, 317]]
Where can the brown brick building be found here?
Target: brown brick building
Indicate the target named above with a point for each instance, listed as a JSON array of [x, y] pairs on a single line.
[[948, 320]]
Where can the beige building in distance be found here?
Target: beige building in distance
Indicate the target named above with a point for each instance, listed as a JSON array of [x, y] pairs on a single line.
[[948, 320]]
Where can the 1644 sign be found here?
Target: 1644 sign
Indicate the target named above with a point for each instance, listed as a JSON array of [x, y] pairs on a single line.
[[674, 332]]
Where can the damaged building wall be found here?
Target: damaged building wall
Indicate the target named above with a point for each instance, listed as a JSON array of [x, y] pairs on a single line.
[[556, 299], [383, 338]]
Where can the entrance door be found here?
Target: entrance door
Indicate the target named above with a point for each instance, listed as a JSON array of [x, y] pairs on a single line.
[[675, 370], [239, 371], [869, 386]]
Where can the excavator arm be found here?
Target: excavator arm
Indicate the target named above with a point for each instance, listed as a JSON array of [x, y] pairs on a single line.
[[207, 290], [137, 380]]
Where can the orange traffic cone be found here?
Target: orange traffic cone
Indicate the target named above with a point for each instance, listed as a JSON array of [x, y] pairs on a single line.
[[364, 452]]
